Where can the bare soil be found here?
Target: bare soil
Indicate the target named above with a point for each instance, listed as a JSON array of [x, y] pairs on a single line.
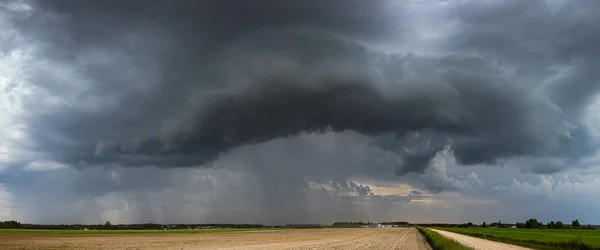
[[363, 238]]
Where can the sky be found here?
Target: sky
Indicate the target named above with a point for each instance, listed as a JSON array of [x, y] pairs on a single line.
[[298, 111]]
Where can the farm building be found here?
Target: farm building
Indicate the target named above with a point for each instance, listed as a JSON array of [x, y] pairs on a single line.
[[378, 225]]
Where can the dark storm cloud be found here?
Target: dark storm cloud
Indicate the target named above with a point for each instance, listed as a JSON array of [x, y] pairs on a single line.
[[550, 46], [179, 84], [533, 35], [278, 97], [200, 25], [283, 107]]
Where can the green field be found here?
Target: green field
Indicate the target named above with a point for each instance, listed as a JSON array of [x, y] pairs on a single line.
[[537, 238], [39, 231]]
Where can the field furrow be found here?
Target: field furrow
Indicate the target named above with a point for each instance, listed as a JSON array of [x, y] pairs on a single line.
[[363, 238]]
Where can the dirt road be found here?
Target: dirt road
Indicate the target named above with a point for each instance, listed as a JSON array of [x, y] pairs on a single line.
[[478, 243], [363, 238]]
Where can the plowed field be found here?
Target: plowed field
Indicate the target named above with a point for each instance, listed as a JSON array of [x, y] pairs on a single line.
[[364, 238]]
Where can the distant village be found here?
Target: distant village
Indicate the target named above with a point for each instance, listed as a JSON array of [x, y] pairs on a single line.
[[361, 224]]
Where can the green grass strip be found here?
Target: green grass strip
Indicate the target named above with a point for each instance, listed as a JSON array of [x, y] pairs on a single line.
[[572, 244], [439, 242]]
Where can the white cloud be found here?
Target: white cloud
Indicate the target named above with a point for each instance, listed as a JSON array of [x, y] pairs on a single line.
[[3, 155], [560, 186], [44, 166], [544, 187], [439, 178], [592, 117], [15, 54], [16, 6], [5, 204]]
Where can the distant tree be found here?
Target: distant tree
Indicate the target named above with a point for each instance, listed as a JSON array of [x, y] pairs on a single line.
[[107, 224], [559, 225], [499, 224], [348, 224], [551, 225], [484, 225], [575, 224], [12, 224], [520, 225], [469, 224], [532, 223]]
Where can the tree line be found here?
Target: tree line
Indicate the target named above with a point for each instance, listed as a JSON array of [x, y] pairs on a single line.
[[108, 226], [534, 223], [531, 223], [11, 224], [351, 224]]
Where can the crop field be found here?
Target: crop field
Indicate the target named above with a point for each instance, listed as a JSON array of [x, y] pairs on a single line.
[[544, 238], [345, 238], [178, 231]]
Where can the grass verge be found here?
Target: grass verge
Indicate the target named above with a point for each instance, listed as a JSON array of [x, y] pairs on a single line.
[[439, 242], [575, 243]]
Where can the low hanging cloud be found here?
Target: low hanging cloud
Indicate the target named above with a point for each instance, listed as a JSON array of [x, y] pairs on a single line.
[[44, 166], [282, 82]]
